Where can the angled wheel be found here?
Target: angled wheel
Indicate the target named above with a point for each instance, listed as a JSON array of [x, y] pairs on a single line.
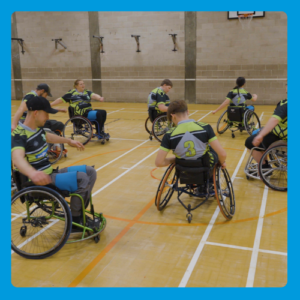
[[165, 189], [160, 126], [148, 125], [40, 222], [222, 124], [79, 129], [224, 192], [251, 121], [55, 151], [275, 177]]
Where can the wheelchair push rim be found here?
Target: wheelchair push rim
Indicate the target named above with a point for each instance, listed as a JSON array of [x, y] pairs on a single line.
[[160, 126], [38, 229], [224, 192], [165, 189], [148, 125], [275, 177], [79, 129], [251, 121], [222, 126]]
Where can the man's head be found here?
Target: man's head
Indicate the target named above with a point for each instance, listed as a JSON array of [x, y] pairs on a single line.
[[166, 85], [177, 111], [43, 90], [38, 110]]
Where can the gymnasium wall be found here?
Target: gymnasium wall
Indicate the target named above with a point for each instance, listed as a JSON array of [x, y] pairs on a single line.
[[223, 51]]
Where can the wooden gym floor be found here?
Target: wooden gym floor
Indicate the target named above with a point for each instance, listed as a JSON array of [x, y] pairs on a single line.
[[142, 247]]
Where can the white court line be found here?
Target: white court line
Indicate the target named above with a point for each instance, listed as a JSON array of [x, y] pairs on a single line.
[[254, 256], [246, 248], [193, 113], [127, 139], [203, 240], [22, 214], [35, 235], [204, 116], [115, 111]]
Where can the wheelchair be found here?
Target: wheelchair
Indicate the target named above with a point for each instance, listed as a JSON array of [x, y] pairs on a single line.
[[82, 129], [238, 118], [55, 151], [274, 177], [192, 177], [41, 220], [157, 125]]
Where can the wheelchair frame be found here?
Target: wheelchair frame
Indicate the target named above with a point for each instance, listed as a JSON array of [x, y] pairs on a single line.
[[237, 125], [60, 202], [190, 189]]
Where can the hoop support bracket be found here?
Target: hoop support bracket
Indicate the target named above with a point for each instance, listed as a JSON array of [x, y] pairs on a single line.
[[100, 38], [59, 41], [20, 41], [173, 35], [137, 39]]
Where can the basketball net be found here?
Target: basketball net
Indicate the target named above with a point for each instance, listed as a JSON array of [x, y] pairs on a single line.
[[245, 20]]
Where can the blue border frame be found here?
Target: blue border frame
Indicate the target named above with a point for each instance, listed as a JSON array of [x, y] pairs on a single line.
[[289, 7]]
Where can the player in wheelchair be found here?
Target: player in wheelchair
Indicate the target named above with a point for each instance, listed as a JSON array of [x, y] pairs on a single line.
[[41, 218], [238, 115], [158, 101], [268, 155], [198, 167], [85, 122]]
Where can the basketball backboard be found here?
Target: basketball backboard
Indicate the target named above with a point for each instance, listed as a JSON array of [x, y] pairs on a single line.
[[234, 14]]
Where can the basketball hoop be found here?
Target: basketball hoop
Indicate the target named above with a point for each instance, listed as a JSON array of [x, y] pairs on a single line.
[[245, 20]]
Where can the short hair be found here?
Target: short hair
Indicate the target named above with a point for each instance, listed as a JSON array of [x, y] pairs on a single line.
[[167, 82], [176, 107], [76, 82]]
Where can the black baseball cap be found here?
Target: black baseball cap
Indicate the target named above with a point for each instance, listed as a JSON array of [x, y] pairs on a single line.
[[40, 103], [45, 87]]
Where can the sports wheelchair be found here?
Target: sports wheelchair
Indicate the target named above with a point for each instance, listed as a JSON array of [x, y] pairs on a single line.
[[192, 177], [238, 118], [157, 125], [82, 129], [41, 220], [275, 176]]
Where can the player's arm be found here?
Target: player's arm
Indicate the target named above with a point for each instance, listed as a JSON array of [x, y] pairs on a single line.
[[22, 108], [215, 144], [254, 98], [224, 104], [53, 139], [38, 177], [97, 97], [56, 102], [162, 107], [162, 160], [267, 128]]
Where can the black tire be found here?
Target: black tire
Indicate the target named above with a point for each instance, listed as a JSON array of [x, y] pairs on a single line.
[[148, 125], [251, 121], [78, 128], [163, 194], [160, 126], [224, 192], [45, 232], [222, 124], [276, 177]]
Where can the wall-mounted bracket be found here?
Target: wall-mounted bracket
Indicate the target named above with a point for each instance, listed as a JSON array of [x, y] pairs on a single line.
[[20, 41], [137, 39], [59, 41], [100, 38], [174, 40]]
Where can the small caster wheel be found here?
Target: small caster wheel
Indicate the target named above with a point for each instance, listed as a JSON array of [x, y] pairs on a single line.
[[150, 137], [189, 217], [233, 136], [103, 142], [23, 231], [107, 140], [97, 238]]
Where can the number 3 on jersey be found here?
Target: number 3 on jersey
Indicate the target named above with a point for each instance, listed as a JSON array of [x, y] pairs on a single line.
[[191, 149]]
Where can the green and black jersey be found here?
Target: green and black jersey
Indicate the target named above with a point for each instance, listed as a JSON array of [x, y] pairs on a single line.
[[35, 146], [189, 140], [280, 114], [238, 97], [80, 101], [27, 97], [157, 97]]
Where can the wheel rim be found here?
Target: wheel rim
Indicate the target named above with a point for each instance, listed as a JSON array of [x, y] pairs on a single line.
[[54, 152], [251, 121], [44, 232], [148, 125], [160, 126], [222, 124], [78, 129], [276, 177]]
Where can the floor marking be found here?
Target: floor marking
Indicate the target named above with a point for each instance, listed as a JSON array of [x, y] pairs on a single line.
[[124, 168], [127, 139], [115, 111], [193, 113], [254, 256], [205, 116], [239, 177]]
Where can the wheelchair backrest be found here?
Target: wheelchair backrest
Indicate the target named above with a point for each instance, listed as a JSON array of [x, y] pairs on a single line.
[[235, 113]]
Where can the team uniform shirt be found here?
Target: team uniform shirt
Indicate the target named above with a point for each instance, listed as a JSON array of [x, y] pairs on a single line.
[[78, 100], [238, 97], [280, 114], [189, 140], [35, 146], [27, 97], [157, 97]]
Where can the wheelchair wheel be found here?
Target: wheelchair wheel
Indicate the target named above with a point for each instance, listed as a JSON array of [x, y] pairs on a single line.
[[55, 151], [165, 189], [79, 129], [160, 126], [276, 176], [40, 222], [224, 192], [251, 121], [148, 125], [222, 124]]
